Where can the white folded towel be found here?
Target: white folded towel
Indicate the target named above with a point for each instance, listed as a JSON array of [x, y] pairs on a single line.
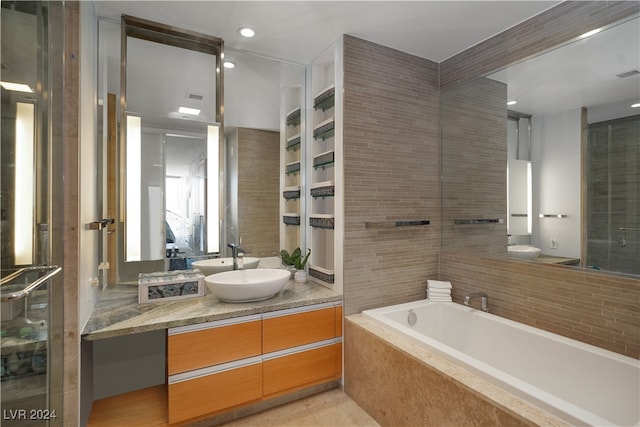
[[439, 299], [438, 284], [439, 291]]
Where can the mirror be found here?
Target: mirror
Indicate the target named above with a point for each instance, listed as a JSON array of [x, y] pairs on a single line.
[[171, 94], [252, 107], [574, 125]]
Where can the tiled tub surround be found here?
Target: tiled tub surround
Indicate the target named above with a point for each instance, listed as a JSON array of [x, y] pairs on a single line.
[[391, 172], [577, 382], [399, 382], [592, 307]]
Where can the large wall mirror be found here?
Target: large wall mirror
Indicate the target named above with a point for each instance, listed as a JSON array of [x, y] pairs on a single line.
[[569, 141], [175, 153]]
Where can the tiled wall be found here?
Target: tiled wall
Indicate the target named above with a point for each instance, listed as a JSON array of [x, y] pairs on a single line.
[[592, 307], [258, 190], [474, 159], [543, 32], [71, 332], [391, 172]]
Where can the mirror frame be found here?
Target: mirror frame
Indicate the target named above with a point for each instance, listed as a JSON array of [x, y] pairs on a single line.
[[172, 36]]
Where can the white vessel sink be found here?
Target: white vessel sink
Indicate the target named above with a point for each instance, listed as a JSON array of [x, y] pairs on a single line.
[[523, 251], [247, 285], [218, 265]]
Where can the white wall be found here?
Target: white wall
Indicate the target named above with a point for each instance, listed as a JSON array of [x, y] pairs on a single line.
[[555, 156]]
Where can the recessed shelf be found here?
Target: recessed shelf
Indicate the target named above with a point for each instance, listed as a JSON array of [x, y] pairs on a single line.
[[324, 130], [293, 117], [293, 167], [397, 223], [323, 274], [291, 193], [293, 142], [480, 221], [325, 99], [324, 221], [323, 189], [324, 159], [291, 219]]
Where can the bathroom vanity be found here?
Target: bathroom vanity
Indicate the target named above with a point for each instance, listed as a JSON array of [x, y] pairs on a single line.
[[221, 356]]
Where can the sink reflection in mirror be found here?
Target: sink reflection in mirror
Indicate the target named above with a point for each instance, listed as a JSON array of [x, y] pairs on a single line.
[[523, 252], [219, 265], [247, 285]]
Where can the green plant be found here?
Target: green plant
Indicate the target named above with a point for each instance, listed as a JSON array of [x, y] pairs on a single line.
[[295, 258]]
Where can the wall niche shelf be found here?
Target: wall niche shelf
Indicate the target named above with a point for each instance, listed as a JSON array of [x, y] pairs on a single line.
[[323, 274], [323, 221], [325, 99], [323, 189], [324, 130], [324, 159], [291, 219], [293, 143], [291, 193], [293, 167], [293, 117]]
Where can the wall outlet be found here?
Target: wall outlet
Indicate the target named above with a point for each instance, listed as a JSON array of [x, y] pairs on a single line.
[[553, 243]]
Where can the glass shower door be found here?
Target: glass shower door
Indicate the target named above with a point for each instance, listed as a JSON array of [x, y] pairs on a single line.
[[613, 202], [31, 310]]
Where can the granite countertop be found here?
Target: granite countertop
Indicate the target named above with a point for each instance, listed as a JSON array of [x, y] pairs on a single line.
[[118, 313]]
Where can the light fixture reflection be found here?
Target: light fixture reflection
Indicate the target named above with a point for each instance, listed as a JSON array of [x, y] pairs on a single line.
[[24, 184], [229, 65], [133, 188], [16, 87], [247, 32], [512, 102], [590, 33], [188, 110], [213, 190], [636, 105]]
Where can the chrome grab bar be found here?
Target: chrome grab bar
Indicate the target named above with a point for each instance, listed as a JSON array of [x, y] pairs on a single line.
[[630, 228], [53, 270]]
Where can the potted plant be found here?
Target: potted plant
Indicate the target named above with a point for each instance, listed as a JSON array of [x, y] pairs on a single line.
[[296, 260]]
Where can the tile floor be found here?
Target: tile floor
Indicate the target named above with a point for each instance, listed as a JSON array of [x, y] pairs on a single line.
[[332, 408]]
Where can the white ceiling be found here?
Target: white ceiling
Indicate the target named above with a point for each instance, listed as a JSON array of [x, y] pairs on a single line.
[[300, 30]]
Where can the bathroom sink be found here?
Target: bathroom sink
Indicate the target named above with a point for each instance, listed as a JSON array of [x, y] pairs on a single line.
[[523, 251], [247, 285], [218, 265]]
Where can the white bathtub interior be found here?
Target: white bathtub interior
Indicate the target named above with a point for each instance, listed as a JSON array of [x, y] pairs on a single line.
[[580, 383]]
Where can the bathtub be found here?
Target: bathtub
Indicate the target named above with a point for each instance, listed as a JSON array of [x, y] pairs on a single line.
[[579, 383]]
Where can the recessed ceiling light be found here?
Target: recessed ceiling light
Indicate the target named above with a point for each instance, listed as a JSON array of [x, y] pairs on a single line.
[[246, 32], [229, 64], [187, 110], [590, 33], [512, 102], [636, 105], [16, 87]]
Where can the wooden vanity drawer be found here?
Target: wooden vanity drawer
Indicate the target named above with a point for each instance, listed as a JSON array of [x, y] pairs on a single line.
[[214, 392], [291, 329], [288, 372], [213, 343]]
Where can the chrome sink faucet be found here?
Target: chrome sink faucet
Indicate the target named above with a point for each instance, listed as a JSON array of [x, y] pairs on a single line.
[[235, 249], [484, 299]]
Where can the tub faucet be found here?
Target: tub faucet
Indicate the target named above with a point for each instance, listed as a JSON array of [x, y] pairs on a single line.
[[484, 299], [235, 249]]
